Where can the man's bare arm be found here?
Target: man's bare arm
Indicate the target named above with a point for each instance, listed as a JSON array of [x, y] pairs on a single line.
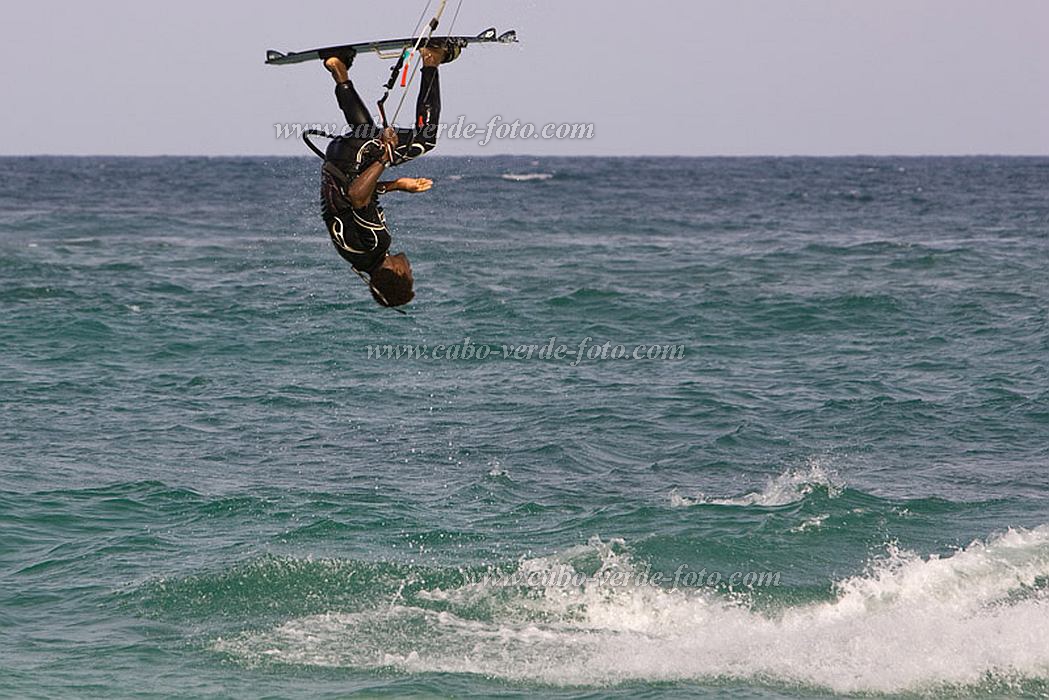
[[405, 184], [363, 187]]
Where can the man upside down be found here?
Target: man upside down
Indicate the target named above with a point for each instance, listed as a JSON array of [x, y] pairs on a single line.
[[351, 178]]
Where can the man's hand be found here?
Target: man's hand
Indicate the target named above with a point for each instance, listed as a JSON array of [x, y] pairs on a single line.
[[413, 184], [389, 141]]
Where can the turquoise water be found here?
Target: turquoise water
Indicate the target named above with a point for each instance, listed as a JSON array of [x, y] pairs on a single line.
[[208, 488]]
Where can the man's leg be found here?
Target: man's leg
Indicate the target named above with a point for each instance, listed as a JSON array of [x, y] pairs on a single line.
[[428, 106], [423, 137], [357, 116]]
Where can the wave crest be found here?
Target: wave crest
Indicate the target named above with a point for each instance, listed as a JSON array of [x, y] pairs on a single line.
[[906, 625]]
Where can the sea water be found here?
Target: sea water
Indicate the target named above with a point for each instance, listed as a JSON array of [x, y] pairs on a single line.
[[226, 472]]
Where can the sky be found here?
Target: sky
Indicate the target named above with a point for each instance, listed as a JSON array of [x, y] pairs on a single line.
[[656, 77]]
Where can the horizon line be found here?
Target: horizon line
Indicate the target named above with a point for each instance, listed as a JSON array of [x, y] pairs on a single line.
[[540, 156]]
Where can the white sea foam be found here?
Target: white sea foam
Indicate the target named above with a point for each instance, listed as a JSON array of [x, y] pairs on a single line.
[[908, 624], [528, 177], [789, 487], [813, 523]]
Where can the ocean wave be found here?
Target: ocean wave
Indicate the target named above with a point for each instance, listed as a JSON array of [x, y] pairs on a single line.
[[908, 624], [789, 487], [527, 177]]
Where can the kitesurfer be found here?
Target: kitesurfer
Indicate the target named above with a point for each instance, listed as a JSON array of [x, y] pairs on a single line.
[[354, 164]]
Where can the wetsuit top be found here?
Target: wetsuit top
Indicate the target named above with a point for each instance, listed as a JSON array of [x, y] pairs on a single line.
[[360, 235]]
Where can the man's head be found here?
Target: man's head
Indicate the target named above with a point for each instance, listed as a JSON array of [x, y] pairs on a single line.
[[391, 283]]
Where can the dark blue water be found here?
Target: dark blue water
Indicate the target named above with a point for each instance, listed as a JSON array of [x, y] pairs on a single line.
[[211, 485]]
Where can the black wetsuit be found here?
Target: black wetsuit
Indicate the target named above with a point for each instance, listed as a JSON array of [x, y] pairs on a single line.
[[360, 235]]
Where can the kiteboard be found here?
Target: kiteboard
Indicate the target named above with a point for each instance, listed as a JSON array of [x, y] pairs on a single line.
[[390, 48]]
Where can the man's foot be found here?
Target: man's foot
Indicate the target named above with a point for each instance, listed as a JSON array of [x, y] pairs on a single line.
[[433, 56], [440, 52], [339, 67]]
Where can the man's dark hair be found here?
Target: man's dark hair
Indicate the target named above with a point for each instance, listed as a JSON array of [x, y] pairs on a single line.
[[392, 287]]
